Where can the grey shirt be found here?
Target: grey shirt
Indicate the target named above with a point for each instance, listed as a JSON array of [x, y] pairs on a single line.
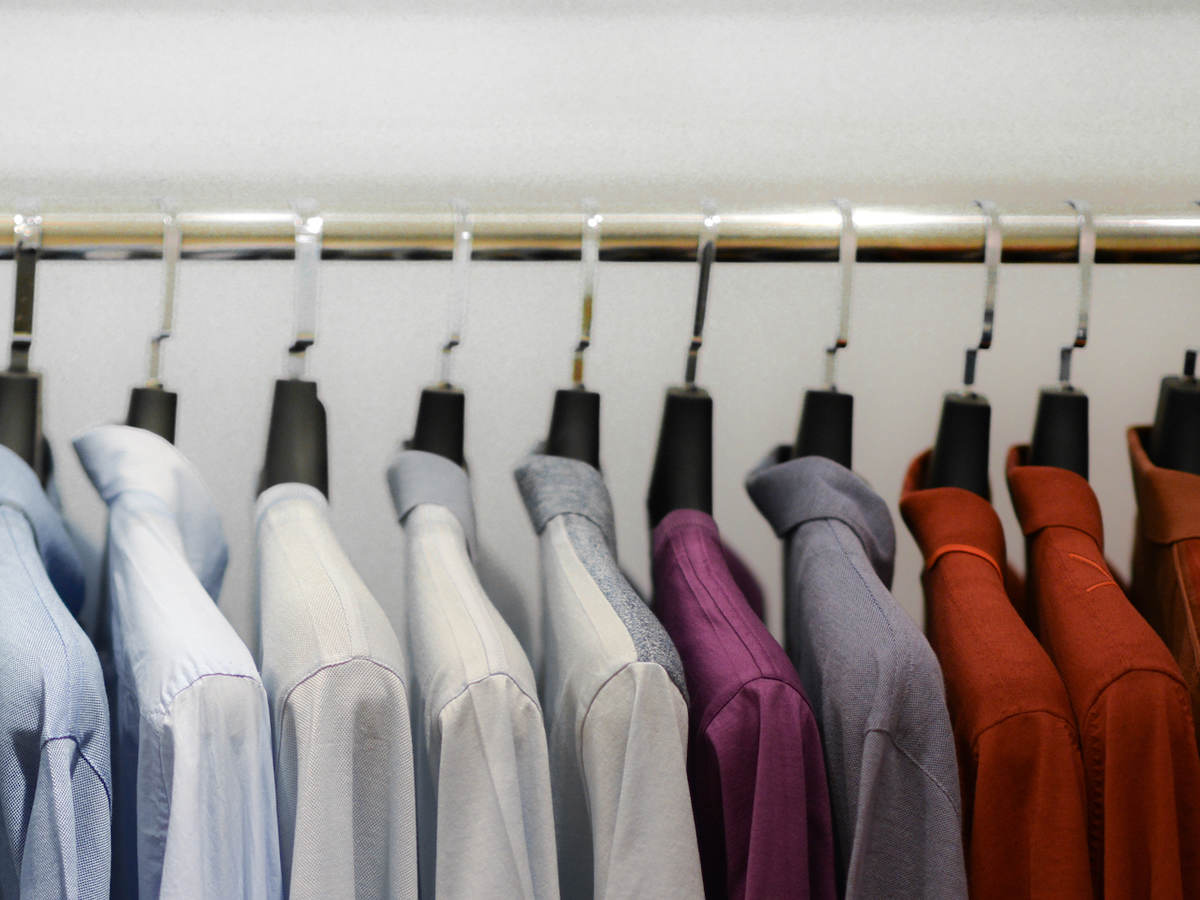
[[873, 680]]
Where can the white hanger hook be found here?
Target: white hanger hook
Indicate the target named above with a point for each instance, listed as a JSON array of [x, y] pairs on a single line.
[[706, 252], [172, 250], [464, 238], [993, 251], [1087, 260], [310, 229], [847, 257], [589, 257]]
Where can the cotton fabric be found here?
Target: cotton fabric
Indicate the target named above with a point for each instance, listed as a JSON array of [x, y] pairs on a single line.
[[614, 702], [55, 785], [757, 775], [195, 793], [485, 818], [1131, 704], [335, 676], [873, 680], [1020, 770], [1166, 559]]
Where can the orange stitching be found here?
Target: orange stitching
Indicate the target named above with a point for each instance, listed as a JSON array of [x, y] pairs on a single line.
[[963, 548], [1095, 565], [1100, 585]]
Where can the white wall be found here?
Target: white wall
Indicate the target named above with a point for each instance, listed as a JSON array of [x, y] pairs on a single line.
[[361, 104]]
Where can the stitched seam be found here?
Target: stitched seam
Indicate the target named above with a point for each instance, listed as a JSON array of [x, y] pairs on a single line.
[[924, 771], [470, 684], [83, 755], [962, 548], [1068, 724]]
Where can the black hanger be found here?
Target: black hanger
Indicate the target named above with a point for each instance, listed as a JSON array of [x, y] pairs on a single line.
[[441, 411], [1060, 427], [21, 389], [297, 438], [960, 451], [682, 475], [827, 415], [1175, 436], [152, 406], [575, 419]]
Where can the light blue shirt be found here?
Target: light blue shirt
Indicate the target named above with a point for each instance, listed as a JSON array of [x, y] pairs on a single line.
[[55, 790], [195, 802]]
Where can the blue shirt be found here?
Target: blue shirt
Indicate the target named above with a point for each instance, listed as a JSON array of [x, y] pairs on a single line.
[[55, 791], [195, 802]]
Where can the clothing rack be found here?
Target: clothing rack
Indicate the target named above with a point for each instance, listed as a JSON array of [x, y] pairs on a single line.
[[795, 234]]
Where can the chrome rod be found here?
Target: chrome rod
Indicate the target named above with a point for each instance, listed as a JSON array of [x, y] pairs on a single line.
[[799, 234]]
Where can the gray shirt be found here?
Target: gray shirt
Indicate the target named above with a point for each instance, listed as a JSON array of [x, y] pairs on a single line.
[[873, 680], [615, 705]]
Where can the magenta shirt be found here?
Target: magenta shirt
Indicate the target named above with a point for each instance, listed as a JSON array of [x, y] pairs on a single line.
[[757, 776]]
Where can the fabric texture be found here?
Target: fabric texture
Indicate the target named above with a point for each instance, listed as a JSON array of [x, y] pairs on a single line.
[[1020, 770], [485, 821], [757, 775], [614, 699], [1131, 704], [873, 680], [336, 679], [55, 785], [194, 806], [1166, 559]]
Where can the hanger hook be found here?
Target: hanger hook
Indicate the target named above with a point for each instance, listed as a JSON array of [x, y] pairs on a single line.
[[706, 252], [172, 250], [461, 260], [1087, 259], [310, 229], [589, 256], [847, 257], [27, 235], [993, 251]]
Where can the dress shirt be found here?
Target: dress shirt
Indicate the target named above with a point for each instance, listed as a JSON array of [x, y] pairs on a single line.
[[195, 792], [615, 703], [485, 821], [1131, 704], [55, 790], [1024, 806], [873, 679], [1166, 559], [759, 790], [335, 676]]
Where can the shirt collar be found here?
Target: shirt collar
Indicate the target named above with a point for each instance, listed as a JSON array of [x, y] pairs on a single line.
[[949, 517], [21, 490], [1047, 495], [417, 477], [790, 492], [554, 485], [1168, 500], [125, 461]]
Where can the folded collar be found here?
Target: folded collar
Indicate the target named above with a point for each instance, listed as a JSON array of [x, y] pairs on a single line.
[[1047, 495], [948, 518], [21, 490], [790, 492], [122, 460], [417, 477], [1168, 500], [554, 485]]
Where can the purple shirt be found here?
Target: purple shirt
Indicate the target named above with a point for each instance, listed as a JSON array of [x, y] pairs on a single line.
[[757, 776]]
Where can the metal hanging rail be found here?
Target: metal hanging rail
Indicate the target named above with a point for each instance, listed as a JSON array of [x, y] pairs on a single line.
[[799, 234]]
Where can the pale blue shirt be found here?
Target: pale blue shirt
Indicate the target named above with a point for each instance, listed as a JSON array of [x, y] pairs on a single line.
[[195, 789], [55, 790]]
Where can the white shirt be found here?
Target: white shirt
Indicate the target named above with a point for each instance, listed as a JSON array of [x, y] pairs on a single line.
[[194, 811], [615, 702], [335, 676], [484, 815]]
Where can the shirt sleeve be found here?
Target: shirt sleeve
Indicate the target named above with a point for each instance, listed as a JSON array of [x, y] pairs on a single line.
[[1150, 824], [222, 836], [344, 782], [495, 822], [1029, 814], [908, 831], [764, 752], [634, 755], [67, 847]]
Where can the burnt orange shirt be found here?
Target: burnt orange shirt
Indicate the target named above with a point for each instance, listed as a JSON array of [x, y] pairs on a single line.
[[1024, 808], [1166, 558], [1131, 704]]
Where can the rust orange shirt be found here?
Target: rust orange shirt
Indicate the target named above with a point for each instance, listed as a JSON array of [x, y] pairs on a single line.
[[1024, 809], [1131, 705], [1166, 558]]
